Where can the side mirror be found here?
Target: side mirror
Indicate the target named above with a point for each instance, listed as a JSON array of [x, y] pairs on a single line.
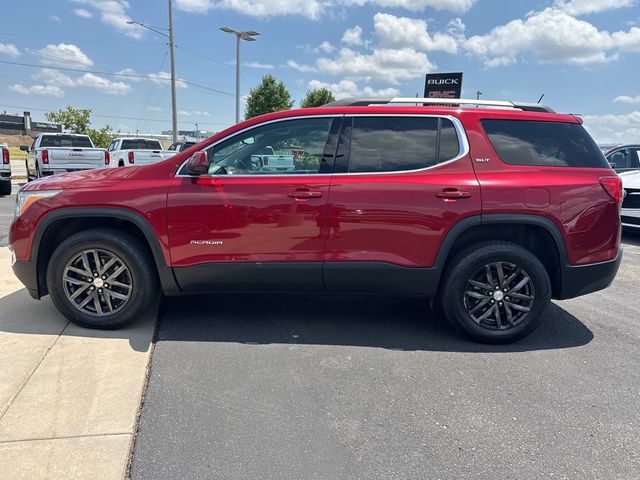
[[612, 165], [198, 164], [24, 148]]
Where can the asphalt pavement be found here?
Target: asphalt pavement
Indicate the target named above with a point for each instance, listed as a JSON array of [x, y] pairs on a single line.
[[302, 387]]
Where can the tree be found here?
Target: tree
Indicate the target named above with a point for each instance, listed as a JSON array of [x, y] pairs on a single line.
[[317, 98], [78, 120], [269, 96]]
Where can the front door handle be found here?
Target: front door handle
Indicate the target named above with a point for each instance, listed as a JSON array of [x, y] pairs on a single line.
[[304, 194], [452, 194]]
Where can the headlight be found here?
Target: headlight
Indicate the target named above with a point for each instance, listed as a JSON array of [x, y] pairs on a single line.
[[25, 199]]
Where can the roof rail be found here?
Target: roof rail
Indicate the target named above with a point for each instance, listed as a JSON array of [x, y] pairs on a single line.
[[361, 102]]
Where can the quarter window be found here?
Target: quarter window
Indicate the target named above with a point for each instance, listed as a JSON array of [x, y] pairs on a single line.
[[549, 144]]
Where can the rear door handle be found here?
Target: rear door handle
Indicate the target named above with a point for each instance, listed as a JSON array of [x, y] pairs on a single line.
[[304, 194], [452, 194]]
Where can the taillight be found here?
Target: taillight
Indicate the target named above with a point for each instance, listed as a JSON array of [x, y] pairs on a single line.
[[107, 158], [5, 156], [130, 157], [613, 186], [45, 156]]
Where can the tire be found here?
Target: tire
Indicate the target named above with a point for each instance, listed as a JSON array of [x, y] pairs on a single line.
[[474, 305], [139, 277], [5, 187], [38, 173], [26, 166]]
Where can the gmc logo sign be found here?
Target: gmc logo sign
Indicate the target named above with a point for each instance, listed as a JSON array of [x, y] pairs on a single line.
[[443, 85]]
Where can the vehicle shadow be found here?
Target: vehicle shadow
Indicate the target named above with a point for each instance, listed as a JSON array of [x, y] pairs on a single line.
[[631, 237], [20, 314], [366, 321]]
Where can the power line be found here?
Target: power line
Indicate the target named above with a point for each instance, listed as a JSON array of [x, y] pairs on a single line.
[[125, 75], [70, 39]]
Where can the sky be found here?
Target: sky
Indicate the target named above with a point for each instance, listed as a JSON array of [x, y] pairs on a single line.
[[583, 55]]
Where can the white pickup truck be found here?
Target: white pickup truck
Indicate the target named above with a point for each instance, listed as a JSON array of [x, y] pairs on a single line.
[[266, 160], [137, 151], [5, 170], [53, 153]]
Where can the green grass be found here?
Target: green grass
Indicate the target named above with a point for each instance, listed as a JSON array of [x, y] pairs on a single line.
[[16, 154]]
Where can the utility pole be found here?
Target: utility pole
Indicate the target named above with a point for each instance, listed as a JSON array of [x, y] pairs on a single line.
[[197, 133], [248, 36], [174, 111], [478, 93]]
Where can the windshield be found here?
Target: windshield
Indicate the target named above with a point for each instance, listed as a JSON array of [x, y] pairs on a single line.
[[141, 144]]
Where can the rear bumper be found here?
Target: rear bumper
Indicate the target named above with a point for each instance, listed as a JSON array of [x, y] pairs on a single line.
[[67, 168], [583, 279], [27, 273]]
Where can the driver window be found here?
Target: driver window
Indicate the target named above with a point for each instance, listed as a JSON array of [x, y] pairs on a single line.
[[290, 147]]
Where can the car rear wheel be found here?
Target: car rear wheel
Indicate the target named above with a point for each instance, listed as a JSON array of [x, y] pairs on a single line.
[[496, 292], [101, 278], [5, 187]]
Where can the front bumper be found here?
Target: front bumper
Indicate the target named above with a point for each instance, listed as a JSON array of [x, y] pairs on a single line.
[[578, 280], [27, 273]]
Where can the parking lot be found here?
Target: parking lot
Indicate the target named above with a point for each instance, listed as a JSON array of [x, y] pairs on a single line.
[[289, 386]]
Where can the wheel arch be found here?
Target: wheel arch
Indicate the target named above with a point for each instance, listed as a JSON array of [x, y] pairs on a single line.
[[60, 224], [536, 233]]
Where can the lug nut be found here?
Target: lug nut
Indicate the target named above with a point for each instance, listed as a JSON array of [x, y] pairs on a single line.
[[506, 298], [497, 287], [500, 303], [95, 274], [104, 277], [505, 289], [106, 285], [493, 301], [99, 290]]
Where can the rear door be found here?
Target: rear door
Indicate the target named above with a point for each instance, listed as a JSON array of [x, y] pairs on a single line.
[[243, 228], [400, 183]]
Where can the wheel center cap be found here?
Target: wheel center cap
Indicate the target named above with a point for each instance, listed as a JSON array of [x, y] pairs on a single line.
[[98, 282], [498, 295]]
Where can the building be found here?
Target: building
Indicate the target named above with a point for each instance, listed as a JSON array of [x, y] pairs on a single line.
[[23, 125]]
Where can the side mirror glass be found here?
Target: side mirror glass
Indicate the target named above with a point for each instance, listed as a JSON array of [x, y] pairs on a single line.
[[24, 148], [197, 164], [249, 141]]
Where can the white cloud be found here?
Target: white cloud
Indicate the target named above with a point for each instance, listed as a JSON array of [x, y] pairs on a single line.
[[627, 99], [155, 109], [130, 71], [54, 18], [258, 65], [100, 83], [349, 88], [45, 90], [194, 113], [403, 32], [552, 36], [326, 47], [57, 79], [314, 9], [301, 68], [164, 78], [353, 36], [9, 49], [64, 55], [81, 12], [582, 7], [609, 128], [114, 14], [384, 65]]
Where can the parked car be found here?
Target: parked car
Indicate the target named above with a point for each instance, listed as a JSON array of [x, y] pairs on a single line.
[[181, 146], [53, 153], [126, 152], [624, 157], [5, 170], [630, 211], [490, 211]]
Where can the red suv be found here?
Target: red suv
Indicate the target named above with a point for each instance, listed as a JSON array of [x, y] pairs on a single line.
[[493, 211]]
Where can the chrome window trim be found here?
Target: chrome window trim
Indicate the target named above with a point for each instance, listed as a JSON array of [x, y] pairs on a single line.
[[463, 143]]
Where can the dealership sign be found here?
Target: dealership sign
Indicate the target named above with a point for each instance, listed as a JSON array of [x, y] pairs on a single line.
[[443, 85]]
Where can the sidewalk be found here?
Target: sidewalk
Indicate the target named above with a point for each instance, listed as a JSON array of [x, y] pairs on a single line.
[[69, 396]]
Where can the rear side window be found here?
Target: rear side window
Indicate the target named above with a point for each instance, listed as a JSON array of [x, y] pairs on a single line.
[[390, 144], [548, 144], [140, 144], [65, 141]]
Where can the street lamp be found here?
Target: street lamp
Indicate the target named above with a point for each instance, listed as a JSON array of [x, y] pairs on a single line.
[[248, 36], [174, 111]]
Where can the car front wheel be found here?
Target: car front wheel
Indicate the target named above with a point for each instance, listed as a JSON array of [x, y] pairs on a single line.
[[101, 278], [496, 292]]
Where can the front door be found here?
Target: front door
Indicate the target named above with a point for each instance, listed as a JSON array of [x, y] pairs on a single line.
[[252, 224]]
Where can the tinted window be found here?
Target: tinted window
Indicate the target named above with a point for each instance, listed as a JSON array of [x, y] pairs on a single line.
[[390, 144], [550, 144], [287, 147], [140, 144], [76, 141], [449, 146]]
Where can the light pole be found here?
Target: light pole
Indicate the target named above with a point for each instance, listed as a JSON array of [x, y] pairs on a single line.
[[174, 109], [249, 37], [197, 133]]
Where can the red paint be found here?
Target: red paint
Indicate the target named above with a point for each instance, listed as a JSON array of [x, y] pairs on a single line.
[[399, 218]]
